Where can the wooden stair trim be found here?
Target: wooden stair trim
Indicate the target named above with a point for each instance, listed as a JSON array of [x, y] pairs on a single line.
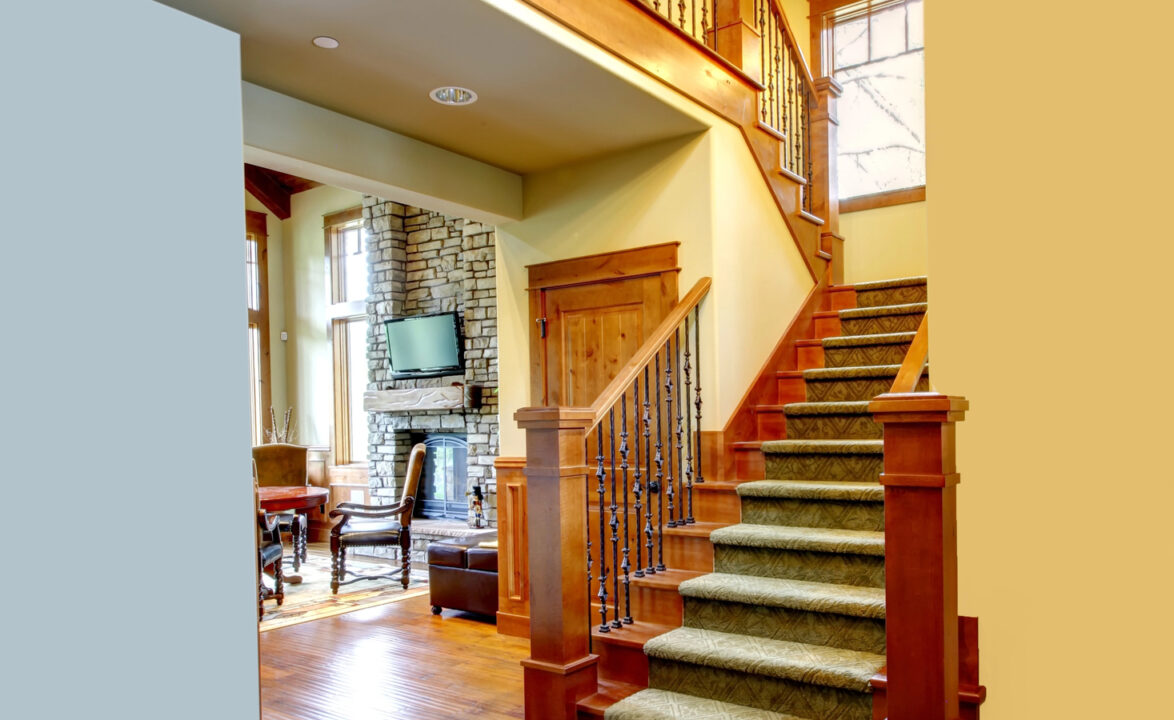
[[610, 692], [630, 636], [667, 579]]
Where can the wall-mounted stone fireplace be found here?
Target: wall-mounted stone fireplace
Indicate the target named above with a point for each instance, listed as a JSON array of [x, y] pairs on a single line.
[[422, 262]]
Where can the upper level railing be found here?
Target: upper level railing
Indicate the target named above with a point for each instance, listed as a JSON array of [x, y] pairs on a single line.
[[787, 100], [695, 18]]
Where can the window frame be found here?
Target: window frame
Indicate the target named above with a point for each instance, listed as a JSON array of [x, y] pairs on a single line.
[[340, 312], [824, 15], [256, 230]]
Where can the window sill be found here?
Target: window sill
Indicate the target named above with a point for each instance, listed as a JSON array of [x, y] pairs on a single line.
[[882, 199]]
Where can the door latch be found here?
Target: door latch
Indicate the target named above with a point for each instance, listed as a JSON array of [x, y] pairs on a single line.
[[541, 326]]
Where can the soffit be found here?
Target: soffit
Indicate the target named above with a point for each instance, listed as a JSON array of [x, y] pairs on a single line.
[[541, 105]]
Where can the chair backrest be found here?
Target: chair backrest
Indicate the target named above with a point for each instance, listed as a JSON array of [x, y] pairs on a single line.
[[280, 464], [412, 479]]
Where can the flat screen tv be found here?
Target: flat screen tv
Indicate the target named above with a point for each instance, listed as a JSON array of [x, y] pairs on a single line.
[[425, 345]]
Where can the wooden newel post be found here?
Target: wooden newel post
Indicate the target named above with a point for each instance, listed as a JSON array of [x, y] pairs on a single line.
[[736, 37], [921, 553], [825, 199], [560, 670]]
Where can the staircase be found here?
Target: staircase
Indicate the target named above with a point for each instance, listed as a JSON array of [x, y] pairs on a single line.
[[791, 623]]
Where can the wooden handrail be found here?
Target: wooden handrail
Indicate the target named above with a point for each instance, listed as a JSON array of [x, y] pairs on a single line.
[[623, 381], [914, 363]]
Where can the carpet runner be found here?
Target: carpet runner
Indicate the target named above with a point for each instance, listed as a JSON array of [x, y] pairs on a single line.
[[790, 625]]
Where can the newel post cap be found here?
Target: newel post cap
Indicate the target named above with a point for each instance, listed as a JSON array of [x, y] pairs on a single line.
[[918, 407], [567, 418]]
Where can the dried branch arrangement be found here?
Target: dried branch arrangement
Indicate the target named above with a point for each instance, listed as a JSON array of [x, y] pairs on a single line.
[[286, 434]]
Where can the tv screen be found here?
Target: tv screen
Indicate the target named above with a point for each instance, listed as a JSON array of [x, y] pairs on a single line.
[[425, 345]]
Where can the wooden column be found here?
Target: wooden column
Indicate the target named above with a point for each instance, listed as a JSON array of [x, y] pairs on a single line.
[[825, 201], [513, 562], [921, 553], [736, 37], [560, 670]]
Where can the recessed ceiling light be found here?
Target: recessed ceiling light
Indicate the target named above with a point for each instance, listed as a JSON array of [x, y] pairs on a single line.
[[453, 96], [326, 42]]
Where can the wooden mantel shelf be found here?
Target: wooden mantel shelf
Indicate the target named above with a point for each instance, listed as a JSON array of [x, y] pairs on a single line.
[[414, 399]]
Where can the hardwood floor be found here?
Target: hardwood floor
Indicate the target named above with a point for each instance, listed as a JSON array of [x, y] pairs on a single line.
[[394, 661]]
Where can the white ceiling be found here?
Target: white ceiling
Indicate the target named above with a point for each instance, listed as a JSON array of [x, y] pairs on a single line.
[[540, 106]]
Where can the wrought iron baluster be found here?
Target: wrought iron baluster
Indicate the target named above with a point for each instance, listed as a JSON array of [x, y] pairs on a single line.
[[659, 478], [781, 73], [587, 491], [681, 14], [705, 22], [697, 388], [796, 145], [637, 476], [687, 368], [764, 50], [653, 485], [807, 150], [681, 519], [614, 523], [602, 490], [626, 565], [669, 482]]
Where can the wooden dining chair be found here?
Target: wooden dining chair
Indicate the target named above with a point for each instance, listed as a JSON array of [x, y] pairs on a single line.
[[284, 464], [269, 553], [377, 526]]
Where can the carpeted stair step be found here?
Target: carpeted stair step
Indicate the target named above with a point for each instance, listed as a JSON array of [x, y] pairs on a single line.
[[840, 616], [830, 420], [863, 350], [653, 704], [900, 291], [849, 384], [844, 505], [810, 681], [823, 555], [881, 320], [843, 460]]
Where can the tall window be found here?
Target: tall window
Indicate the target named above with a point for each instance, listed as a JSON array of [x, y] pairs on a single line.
[[877, 52], [346, 259], [256, 272]]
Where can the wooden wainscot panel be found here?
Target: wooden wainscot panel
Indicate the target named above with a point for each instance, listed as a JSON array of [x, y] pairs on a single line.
[[513, 579], [413, 399]]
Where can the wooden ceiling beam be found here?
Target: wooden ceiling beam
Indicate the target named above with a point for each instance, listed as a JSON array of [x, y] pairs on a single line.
[[272, 194]]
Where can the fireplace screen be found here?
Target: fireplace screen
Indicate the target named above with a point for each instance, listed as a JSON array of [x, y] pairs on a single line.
[[445, 478]]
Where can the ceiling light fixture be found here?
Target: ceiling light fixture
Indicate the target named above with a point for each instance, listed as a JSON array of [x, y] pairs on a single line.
[[325, 42], [453, 96]]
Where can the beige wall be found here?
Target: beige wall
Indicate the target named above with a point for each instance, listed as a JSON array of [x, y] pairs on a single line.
[[885, 243], [1050, 312], [702, 191], [276, 267], [308, 367], [797, 12]]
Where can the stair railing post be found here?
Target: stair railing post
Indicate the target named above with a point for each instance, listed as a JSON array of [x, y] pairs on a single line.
[[921, 553], [736, 37], [825, 200], [560, 670]]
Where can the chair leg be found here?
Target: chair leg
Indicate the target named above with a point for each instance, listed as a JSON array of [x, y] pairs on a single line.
[[336, 563], [405, 550], [278, 578], [295, 538]]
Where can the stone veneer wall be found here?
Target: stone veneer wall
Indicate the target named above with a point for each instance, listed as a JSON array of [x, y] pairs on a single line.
[[422, 262]]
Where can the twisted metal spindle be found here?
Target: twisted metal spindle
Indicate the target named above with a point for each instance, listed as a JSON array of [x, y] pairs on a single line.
[[637, 488], [807, 152], [792, 98], [659, 478], [697, 388], [653, 485], [602, 490], [681, 519], [587, 491], [626, 565], [614, 523], [688, 430], [669, 489], [681, 14]]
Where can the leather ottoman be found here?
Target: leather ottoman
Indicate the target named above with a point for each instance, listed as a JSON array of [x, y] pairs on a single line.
[[463, 576]]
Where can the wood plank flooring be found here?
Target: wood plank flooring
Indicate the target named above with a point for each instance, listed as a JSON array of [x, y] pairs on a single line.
[[394, 661]]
